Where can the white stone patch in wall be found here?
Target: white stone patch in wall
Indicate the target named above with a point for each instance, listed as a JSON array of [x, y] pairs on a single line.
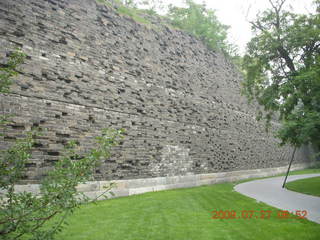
[[56, 56], [175, 160], [173, 92], [73, 107], [43, 58], [102, 72]]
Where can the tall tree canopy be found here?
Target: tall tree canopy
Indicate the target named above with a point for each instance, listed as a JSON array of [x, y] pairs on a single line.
[[282, 71]]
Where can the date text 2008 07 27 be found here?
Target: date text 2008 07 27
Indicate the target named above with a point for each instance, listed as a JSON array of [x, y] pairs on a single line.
[[258, 214]]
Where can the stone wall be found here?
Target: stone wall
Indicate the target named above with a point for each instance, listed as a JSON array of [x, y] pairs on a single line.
[[88, 68]]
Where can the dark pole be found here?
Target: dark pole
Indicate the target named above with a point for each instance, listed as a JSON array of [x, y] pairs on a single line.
[[294, 151]]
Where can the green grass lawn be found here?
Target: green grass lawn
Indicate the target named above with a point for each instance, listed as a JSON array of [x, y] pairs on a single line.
[[184, 214], [305, 171], [308, 186]]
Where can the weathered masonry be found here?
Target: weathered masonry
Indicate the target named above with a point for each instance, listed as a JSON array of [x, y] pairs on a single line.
[[89, 68]]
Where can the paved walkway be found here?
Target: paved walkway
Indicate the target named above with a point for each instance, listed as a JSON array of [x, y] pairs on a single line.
[[270, 191]]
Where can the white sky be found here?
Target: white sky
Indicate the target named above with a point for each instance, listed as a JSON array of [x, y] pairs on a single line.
[[236, 14]]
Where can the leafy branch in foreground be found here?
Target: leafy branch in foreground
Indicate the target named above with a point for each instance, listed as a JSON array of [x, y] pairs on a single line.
[[26, 213], [8, 70], [35, 216]]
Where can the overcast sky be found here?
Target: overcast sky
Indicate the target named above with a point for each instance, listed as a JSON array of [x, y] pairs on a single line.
[[236, 14]]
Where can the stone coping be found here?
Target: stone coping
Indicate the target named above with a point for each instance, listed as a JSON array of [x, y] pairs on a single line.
[[94, 189]]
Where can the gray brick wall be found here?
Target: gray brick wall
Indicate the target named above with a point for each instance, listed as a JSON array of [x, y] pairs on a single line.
[[89, 68]]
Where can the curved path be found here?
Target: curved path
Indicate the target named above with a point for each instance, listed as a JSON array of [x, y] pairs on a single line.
[[270, 191]]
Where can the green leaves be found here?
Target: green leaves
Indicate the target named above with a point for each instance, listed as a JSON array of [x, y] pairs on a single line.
[[282, 72], [301, 127], [13, 160], [25, 215], [201, 22], [8, 70], [195, 19]]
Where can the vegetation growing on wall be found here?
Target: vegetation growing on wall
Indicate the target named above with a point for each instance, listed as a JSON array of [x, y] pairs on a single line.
[[193, 18], [129, 9]]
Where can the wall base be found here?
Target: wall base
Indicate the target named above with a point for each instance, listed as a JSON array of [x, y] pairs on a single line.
[[123, 188]]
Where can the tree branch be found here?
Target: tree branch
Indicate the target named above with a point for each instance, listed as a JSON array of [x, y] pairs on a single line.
[[285, 55]]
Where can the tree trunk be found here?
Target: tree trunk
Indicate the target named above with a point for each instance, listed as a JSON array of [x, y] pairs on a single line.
[[292, 157]]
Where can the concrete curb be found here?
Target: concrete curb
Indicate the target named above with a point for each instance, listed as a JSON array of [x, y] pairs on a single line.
[[130, 187]]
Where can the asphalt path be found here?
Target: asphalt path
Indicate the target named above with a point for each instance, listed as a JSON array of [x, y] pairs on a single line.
[[270, 191]]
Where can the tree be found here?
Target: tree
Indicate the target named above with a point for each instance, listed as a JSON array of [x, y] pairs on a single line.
[[282, 72], [25, 215], [201, 22]]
